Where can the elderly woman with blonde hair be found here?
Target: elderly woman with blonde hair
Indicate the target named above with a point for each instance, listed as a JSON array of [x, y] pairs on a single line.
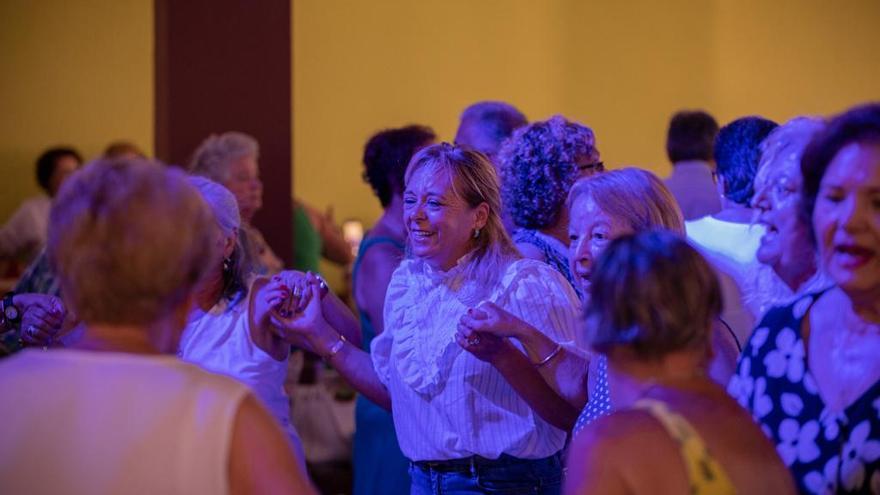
[[786, 246], [116, 412], [602, 208], [231, 160], [653, 303], [459, 420]]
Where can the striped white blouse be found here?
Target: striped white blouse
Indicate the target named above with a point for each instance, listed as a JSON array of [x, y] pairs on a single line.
[[446, 403]]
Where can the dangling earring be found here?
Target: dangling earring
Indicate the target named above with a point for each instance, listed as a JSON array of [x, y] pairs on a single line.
[[476, 233], [227, 264]]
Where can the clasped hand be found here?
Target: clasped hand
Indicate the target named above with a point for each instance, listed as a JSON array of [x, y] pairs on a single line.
[[42, 319], [292, 304], [483, 331]]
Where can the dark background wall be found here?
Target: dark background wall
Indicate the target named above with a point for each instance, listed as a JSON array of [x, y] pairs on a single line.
[[225, 65]]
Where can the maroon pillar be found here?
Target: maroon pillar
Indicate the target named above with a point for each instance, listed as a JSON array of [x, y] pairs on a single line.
[[225, 65]]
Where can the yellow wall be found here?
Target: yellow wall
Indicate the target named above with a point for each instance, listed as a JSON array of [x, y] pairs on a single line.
[[621, 67], [81, 72], [784, 58], [71, 72]]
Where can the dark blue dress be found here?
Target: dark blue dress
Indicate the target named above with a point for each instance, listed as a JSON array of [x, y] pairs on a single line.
[[825, 452]]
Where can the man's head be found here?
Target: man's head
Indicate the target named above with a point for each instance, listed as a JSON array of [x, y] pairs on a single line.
[[737, 153], [484, 125], [691, 136]]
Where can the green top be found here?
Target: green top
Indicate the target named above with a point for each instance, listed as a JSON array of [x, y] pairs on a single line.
[[307, 244]]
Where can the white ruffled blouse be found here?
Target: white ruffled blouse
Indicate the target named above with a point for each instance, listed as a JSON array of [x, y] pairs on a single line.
[[446, 403]]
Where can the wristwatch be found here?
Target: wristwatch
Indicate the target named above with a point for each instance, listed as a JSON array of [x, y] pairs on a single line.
[[10, 311]]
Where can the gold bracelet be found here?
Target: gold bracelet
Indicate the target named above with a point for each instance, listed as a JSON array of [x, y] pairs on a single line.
[[550, 356]]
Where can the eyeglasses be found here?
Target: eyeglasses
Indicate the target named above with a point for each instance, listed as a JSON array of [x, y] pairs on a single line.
[[592, 167]]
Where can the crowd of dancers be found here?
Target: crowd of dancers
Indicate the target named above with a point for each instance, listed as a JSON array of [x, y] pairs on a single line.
[[525, 320]]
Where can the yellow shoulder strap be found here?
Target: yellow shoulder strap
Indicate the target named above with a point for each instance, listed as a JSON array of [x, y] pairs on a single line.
[[706, 476]]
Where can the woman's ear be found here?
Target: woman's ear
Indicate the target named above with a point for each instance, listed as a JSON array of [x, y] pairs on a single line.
[[481, 215], [229, 243]]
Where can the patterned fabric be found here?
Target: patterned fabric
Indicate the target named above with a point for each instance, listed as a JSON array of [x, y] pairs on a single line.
[[447, 404], [555, 253], [39, 279], [599, 404], [826, 452], [705, 475]]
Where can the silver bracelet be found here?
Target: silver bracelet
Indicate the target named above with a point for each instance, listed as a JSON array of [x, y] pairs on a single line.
[[336, 348], [550, 356]]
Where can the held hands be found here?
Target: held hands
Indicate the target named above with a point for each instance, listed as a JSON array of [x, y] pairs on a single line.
[[42, 318], [293, 304], [478, 334], [489, 318]]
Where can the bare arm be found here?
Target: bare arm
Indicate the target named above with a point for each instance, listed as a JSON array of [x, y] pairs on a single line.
[[522, 376], [260, 458], [565, 372], [592, 468], [260, 298], [333, 245], [316, 334], [373, 277], [339, 316], [334, 310]]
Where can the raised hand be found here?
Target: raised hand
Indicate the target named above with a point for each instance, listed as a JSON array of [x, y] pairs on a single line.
[[297, 284], [489, 318], [306, 328]]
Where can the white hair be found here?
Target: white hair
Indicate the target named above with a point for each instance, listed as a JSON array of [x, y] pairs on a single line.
[[221, 201]]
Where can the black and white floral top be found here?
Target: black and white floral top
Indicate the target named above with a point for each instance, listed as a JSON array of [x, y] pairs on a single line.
[[826, 452]]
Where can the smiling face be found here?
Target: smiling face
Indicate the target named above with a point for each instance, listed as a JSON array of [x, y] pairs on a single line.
[[786, 245], [590, 230], [846, 218], [440, 225]]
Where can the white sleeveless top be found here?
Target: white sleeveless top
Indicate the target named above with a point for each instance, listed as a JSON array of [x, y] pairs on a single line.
[[79, 422], [220, 341]]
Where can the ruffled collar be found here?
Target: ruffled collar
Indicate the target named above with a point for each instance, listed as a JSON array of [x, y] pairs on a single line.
[[427, 304]]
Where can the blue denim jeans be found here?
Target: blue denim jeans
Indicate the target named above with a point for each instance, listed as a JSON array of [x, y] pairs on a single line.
[[475, 475]]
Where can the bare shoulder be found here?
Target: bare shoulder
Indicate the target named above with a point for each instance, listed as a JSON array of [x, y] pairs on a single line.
[[745, 454], [260, 459], [376, 265], [630, 452], [742, 449]]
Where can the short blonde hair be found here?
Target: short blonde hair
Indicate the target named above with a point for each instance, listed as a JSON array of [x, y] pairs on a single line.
[[635, 196], [214, 156], [475, 181], [789, 140], [129, 239]]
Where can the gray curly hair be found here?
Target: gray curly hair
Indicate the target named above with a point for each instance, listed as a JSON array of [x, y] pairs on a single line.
[[538, 168]]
